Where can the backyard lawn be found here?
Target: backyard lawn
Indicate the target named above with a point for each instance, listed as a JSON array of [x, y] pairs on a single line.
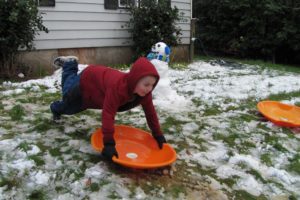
[[225, 148]]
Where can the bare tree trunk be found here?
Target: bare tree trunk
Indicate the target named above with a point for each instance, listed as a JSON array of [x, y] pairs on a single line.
[[273, 58]]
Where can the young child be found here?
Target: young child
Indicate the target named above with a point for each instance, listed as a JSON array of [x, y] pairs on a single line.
[[101, 87]]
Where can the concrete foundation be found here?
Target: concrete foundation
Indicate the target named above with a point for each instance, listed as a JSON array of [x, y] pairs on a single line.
[[39, 62]]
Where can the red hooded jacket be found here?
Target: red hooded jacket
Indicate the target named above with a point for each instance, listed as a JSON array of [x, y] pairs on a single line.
[[111, 90]]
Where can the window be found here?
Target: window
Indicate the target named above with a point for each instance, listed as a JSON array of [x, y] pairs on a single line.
[[115, 4], [126, 3], [111, 4], [46, 2]]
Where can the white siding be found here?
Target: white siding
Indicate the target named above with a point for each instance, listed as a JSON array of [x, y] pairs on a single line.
[[85, 23]]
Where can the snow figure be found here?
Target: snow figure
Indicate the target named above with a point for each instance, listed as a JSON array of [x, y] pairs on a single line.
[[160, 51], [164, 95]]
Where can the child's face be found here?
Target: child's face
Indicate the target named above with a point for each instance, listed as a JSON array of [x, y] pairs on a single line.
[[145, 85]]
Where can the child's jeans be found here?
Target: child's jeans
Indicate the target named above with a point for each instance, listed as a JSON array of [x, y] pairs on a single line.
[[71, 102]]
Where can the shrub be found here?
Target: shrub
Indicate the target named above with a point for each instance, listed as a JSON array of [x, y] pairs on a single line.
[[250, 28], [153, 21], [19, 22]]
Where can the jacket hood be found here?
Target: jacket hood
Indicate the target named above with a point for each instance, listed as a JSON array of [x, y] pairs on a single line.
[[141, 68]]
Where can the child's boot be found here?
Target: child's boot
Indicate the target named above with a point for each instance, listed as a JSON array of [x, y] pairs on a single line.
[[55, 115], [59, 61]]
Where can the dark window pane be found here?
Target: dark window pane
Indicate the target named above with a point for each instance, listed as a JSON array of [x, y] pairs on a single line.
[[111, 4], [46, 2], [126, 3]]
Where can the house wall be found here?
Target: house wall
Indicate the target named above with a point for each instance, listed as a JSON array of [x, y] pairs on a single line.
[[84, 26], [86, 23]]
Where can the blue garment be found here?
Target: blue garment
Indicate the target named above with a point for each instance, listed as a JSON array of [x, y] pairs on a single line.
[[69, 76], [70, 80]]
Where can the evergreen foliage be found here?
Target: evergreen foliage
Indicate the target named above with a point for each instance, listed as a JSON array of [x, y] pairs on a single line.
[[266, 29], [19, 22], [151, 22]]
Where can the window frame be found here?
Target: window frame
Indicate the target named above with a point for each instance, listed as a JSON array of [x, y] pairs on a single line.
[[116, 4], [49, 3], [127, 5]]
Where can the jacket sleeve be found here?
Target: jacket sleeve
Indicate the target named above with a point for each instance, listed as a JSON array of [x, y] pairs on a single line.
[[110, 106], [151, 116]]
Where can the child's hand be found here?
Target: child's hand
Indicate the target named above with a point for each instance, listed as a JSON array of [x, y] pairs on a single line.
[[160, 139], [109, 150]]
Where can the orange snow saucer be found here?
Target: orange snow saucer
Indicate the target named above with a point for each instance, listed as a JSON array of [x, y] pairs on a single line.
[[279, 113], [136, 148]]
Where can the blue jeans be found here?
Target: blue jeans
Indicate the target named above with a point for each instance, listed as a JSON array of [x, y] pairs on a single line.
[[71, 102]]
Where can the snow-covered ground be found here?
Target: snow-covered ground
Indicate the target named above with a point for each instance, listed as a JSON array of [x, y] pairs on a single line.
[[225, 149]]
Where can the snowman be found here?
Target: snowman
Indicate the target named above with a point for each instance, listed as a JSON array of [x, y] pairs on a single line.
[[164, 94]]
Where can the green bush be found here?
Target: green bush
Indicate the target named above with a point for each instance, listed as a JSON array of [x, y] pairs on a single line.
[[19, 22], [250, 28], [151, 22]]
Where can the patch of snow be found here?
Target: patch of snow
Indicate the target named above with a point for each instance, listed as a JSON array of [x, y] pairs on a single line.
[[96, 172], [189, 128], [249, 184], [214, 156], [33, 150], [40, 178], [11, 92], [139, 193]]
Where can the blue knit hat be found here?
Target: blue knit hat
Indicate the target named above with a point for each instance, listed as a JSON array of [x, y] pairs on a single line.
[[160, 51]]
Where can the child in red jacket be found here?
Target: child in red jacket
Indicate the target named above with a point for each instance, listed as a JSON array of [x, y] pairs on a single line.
[[101, 87]]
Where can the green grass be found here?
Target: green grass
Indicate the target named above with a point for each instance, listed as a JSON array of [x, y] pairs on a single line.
[[81, 134], [283, 96], [41, 98], [17, 113], [7, 136], [42, 146], [10, 181], [266, 159], [37, 195], [55, 152], [121, 66], [1, 106], [103, 182], [261, 63], [93, 158], [275, 142], [38, 159], [59, 188], [213, 110], [171, 122], [197, 102], [292, 197], [245, 147], [229, 181], [178, 65], [200, 142], [228, 139], [243, 195], [7, 125], [114, 195], [94, 187], [257, 175], [24, 146], [42, 125], [279, 147], [176, 190], [295, 164]]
